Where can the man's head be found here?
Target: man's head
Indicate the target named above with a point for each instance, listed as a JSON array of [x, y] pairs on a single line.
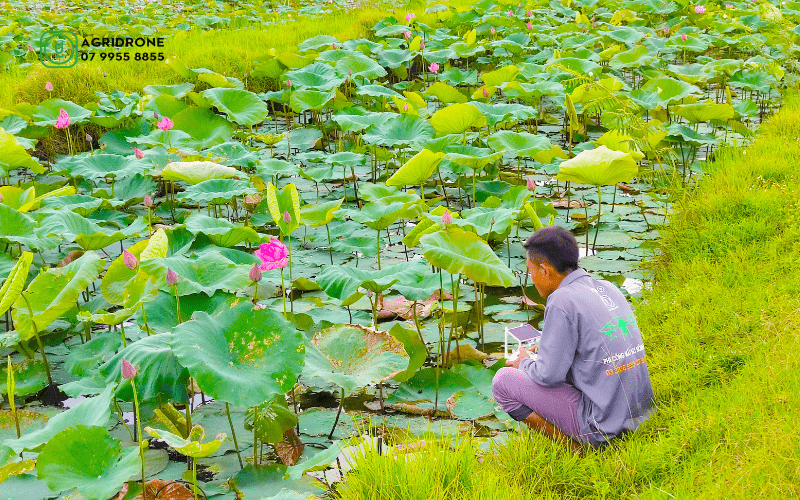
[[552, 254]]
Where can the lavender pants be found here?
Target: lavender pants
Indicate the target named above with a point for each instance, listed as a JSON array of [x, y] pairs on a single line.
[[519, 396]]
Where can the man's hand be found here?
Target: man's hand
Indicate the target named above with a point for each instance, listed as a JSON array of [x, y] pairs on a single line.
[[523, 353]]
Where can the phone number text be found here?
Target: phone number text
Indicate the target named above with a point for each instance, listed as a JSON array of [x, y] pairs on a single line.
[[122, 56]]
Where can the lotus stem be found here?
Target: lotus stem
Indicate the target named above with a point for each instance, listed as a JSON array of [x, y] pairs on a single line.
[[178, 305], [599, 211], [233, 433], [338, 413], [194, 479], [255, 293], [38, 340], [139, 429], [122, 332], [283, 293], [454, 324], [144, 318], [330, 249], [291, 301], [586, 212], [378, 246]]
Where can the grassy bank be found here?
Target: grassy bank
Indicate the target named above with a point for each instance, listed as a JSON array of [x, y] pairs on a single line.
[[721, 328]]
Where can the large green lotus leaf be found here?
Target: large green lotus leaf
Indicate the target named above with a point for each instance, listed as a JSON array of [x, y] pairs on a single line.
[[15, 281], [758, 80], [178, 90], [195, 172], [401, 130], [160, 373], [316, 42], [346, 158], [634, 58], [357, 123], [240, 355], [491, 224], [272, 167], [203, 125], [317, 75], [519, 144], [30, 374], [162, 316], [352, 357], [280, 202], [394, 58], [377, 91], [670, 90], [382, 213], [457, 118], [219, 191], [47, 112], [13, 155], [473, 159], [320, 214], [84, 232], [89, 459], [102, 166], [445, 93], [462, 252], [191, 446], [84, 359], [305, 99], [80, 204], [91, 411], [208, 273], [270, 419], [417, 170], [420, 390], [221, 231], [359, 65], [54, 292], [126, 287], [599, 167], [20, 228], [703, 112], [414, 347], [17, 198], [499, 76], [469, 404], [504, 113], [241, 106], [343, 282]]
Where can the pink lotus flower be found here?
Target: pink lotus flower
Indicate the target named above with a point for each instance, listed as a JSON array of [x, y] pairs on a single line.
[[410, 16], [172, 278], [492, 31], [273, 255], [529, 13], [594, 25], [434, 68], [529, 25], [334, 46], [128, 370], [350, 72], [421, 45], [684, 37], [510, 13], [289, 83], [286, 217], [485, 92], [130, 260], [138, 153], [148, 202], [447, 218], [255, 274], [666, 30], [407, 34], [728, 5], [48, 86], [30, 48], [405, 107], [165, 124], [531, 186], [63, 119], [700, 9]]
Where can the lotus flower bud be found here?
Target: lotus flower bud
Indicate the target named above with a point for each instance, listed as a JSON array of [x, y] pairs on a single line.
[[245, 76], [491, 222], [529, 25], [531, 185], [1, 197], [350, 72], [594, 25], [88, 138], [405, 107], [289, 83], [407, 34], [286, 217], [421, 45], [334, 46], [410, 16], [485, 92], [666, 30], [172, 278], [529, 13], [447, 218], [510, 13], [129, 260], [128, 370], [255, 273], [48, 86], [138, 153], [492, 30], [684, 37], [104, 73], [148, 202], [369, 293], [155, 115], [30, 48]]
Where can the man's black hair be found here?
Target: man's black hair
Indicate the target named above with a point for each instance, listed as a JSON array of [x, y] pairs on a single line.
[[555, 245]]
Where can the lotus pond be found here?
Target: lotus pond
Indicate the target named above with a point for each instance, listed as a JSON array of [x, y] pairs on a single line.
[[254, 271]]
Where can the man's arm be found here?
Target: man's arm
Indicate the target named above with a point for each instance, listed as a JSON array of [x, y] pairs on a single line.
[[556, 349]]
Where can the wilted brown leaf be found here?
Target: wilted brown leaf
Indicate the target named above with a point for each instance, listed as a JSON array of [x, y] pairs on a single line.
[[290, 449]]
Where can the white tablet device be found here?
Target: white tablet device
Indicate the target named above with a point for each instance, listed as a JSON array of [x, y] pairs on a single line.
[[521, 336]]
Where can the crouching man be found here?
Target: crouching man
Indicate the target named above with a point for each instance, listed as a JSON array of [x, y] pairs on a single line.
[[589, 382]]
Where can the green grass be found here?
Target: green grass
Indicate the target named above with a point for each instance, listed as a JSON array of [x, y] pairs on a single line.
[[721, 328]]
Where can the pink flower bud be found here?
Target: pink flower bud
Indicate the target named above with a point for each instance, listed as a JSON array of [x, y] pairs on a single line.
[[350, 72], [407, 34], [529, 13], [410, 16], [700, 9], [88, 138], [529, 25], [728, 5], [155, 115], [447, 218], [684, 37], [129, 260], [286, 217], [138, 153], [421, 45], [289, 83], [485, 92], [594, 25], [255, 273], [510, 13], [63, 119], [334, 46], [405, 107], [492, 31], [30, 48], [369, 293], [148, 202], [128, 370], [531, 185], [491, 222], [104, 73], [172, 278], [48, 86], [1, 197], [666, 30]]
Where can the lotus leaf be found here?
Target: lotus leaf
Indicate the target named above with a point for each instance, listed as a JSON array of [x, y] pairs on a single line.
[[219, 191], [417, 170], [240, 106], [457, 118], [13, 155], [195, 172], [462, 252], [191, 446], [599, 167], [220, 231]]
